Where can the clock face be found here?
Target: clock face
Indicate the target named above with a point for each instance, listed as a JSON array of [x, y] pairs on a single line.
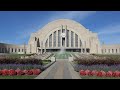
[[63, 35]]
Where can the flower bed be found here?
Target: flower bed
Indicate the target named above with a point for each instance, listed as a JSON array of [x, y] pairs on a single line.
[[20, 66], [7, 60], [99, 73], [97, 59], [13, 72], [98, 67]]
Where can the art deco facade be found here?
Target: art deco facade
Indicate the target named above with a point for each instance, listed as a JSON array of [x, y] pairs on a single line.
[[64, 33]]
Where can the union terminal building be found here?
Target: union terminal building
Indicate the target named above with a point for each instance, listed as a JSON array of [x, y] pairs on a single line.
[[63, 33]]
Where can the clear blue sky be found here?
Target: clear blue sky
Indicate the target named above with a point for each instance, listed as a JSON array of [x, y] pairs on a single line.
[[16, 26]]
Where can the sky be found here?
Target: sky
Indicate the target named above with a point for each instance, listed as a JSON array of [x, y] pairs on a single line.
[[17, 26]]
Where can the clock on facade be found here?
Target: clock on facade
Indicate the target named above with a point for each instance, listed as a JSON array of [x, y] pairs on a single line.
[[63, 35]]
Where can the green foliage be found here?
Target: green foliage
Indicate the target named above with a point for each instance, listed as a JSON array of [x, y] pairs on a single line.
[[18, 77]]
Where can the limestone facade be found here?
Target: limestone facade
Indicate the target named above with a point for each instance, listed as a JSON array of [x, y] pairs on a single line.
[[111, 49], [64, 33], [12, 49]]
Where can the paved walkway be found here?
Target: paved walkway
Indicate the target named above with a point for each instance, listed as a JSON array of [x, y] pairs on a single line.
[[61, 69]]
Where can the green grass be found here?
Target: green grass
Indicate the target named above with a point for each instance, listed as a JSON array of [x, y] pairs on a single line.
[[18, 77], [95, 77]]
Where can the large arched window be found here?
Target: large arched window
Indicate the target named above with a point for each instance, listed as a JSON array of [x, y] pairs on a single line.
[[76, 40], [67, 38], [72, 40], [80, 43], [54, 36], [46, 43], [59, 38], [50, 40], [38, 43]]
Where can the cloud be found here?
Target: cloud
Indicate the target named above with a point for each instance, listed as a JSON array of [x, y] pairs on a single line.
[[5, 41], [79, 15], [111, 29], [72, 14], [110, 34]]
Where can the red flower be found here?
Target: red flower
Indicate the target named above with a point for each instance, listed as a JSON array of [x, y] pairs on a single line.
[[25, 71], [0, 72], [82, 72], [29, 72], [5, 72], [88, 72], [101, 73], [12, 72], [36, 71], [19, 72], [109, 74], [94, 72], [116, 74]]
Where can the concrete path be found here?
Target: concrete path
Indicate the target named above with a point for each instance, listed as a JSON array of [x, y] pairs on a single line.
[[61, 69]]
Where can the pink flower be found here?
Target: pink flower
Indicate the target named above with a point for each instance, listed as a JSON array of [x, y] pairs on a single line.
[[101, 73], [116, 74], [88, 72], [29, 72], [94, 72], [19, 72], [109, 74], [36, 71], [25, 71]]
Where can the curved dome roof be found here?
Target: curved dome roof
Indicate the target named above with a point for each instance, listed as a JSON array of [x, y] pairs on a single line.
[[57, 23]]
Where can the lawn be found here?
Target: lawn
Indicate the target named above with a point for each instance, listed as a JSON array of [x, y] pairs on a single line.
[[95, 77], [18, 77]]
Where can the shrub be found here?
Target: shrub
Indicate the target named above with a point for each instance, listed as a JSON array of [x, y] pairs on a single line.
[[7, 60], [94, 59]]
